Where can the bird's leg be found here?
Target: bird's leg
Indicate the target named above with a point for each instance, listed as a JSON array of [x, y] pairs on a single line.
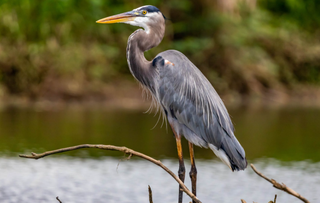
[[181, 171], [193, 171]]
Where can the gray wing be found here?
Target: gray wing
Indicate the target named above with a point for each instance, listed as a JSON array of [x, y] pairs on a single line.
[[194, 108]]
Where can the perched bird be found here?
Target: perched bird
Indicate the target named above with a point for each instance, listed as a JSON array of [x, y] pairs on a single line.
[[192, 106]]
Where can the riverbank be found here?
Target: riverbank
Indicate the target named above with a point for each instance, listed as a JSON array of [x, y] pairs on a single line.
[[263, 53], [129, 95]]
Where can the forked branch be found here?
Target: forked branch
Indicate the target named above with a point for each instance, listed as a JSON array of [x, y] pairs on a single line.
[[280, 186], [126, 150]]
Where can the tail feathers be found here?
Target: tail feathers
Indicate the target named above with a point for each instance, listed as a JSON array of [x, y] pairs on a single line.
[[231, 153]]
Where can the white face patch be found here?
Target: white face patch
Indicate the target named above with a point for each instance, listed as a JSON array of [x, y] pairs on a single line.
[[145, 20]]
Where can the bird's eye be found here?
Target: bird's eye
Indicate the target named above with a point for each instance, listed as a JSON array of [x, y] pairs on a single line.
[[144, 12]]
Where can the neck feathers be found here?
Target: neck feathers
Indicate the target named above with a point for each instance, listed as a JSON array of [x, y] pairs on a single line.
[[139, 42]]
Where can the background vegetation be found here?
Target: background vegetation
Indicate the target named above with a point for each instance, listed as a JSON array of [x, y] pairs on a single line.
[[53, 49]]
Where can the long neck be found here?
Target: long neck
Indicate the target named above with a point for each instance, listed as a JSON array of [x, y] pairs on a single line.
[[139, 42]]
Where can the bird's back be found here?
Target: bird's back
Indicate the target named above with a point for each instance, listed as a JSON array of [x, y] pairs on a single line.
[[194, 109]]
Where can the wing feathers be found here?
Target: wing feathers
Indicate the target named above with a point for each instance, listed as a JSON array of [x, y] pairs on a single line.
[[196, 109]]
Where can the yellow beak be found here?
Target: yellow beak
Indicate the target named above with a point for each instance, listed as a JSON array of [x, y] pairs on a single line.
[[119, 18]]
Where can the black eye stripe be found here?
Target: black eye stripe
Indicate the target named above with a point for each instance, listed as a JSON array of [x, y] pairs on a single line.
[[150, 9]]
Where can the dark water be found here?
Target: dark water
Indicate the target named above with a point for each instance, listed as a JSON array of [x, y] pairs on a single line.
[[283, 143]]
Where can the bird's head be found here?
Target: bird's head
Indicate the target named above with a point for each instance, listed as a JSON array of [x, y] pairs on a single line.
[[144, 16]]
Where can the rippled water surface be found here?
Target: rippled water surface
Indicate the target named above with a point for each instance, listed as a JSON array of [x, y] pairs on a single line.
[[282, 143], [111, 180]]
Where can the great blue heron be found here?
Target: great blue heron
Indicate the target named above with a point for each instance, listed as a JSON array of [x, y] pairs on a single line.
[[192, 106]]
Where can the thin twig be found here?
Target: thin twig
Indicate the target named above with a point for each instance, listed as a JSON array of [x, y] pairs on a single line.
[[280, 186], [116, 148], [275, 199], [150, 194], [58, 199]]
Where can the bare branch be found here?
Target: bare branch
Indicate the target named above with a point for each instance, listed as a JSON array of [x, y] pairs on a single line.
[[150, 194], [280, 186], [116, 148], [58, 199], [275, 199], [242, 201]]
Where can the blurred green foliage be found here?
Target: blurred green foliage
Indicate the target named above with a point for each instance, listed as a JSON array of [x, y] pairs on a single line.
[[304, 13], [54, 48]]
